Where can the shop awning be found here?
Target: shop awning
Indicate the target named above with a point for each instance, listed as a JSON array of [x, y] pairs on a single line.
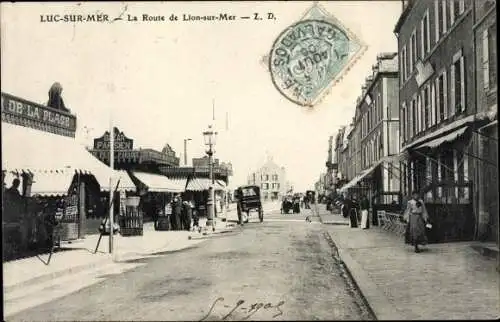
[[366, 172], [446, 138], [29, 150], [51, 183], [126, 183], [201, 184], [157, 182], [180, 183]]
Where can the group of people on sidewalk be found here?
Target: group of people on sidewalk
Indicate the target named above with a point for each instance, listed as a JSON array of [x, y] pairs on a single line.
[[415, 215], [356, 211], [181, 214]]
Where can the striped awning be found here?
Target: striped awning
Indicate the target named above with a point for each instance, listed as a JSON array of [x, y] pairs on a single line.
[[51, 183], [126, 183], [201, 184], [157, 182], [180, 183], [26, 150]]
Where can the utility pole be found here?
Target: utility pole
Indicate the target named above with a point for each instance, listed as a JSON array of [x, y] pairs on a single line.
[[111, 190], [185, 151]]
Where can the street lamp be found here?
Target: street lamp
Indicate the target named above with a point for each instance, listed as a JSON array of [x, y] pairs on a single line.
[[210, 138], [185, 151]]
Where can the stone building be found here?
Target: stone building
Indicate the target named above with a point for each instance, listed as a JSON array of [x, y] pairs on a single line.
[[486, 140], [376, 171], [439, 117], [271, 178]]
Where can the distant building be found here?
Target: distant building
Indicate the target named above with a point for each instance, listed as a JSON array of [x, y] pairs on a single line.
[[271, 178]]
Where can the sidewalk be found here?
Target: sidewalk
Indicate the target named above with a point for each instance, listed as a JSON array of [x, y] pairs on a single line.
[[327, 218], [79, 256], [446, 281]]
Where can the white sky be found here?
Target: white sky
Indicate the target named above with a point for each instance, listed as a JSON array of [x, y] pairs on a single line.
[[159, 79]]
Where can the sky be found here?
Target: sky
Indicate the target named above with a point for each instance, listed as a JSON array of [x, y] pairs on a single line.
[[157, 81]]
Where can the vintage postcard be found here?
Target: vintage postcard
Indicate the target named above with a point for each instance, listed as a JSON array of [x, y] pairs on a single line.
[[249, 160]]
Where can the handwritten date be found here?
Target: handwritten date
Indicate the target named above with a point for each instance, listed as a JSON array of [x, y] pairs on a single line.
[[248, 311]]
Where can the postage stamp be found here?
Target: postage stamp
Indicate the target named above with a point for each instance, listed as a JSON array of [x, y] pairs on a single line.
[[310, 56]]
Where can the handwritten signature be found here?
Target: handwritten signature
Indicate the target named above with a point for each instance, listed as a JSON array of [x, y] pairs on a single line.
[[249, 311]]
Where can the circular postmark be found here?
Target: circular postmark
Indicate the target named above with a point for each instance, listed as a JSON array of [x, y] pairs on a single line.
[[306, 58]]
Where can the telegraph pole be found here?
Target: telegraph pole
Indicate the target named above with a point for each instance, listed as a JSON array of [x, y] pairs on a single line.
[[111, 190]]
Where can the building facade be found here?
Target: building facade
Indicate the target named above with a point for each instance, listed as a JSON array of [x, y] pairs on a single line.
[[486, 140], [374, 141], [271, 178], [439, 117]]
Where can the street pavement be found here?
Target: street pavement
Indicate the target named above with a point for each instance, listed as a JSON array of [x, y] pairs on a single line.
[[281, 269], [445, 281]]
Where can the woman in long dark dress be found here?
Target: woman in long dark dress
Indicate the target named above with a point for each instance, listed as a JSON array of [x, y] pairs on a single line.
[[416, 215]]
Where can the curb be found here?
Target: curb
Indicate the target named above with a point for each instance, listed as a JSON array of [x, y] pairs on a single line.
[[375, 298], [53, 275], [335, 223]]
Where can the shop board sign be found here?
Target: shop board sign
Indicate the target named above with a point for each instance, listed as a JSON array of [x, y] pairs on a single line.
[[19, 111], [121, 142]]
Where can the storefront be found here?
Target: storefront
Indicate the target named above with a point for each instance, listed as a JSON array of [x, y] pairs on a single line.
[[47, 175]]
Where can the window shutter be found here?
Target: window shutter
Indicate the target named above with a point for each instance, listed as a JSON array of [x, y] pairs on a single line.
[[486, 65], [462, 83], [428, 33], [445, 94], [422, 46], [443, 13], [436, 19], [453, 89], [433, 105], [452, 12]]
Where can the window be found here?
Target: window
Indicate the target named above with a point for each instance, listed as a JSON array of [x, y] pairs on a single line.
[[413, 117], [380, 107], [402, 121], [457, 85], [489, 56], [425, 35], [433, 104], [404, 65], [457, 7], [413, 50], [426, 100], [419, 115], [441, 98], [267, 177], [440, 18], [265, 186]]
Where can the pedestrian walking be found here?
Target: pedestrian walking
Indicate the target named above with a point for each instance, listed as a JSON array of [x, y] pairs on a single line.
[[194, 214], [176, 212], [416, 217], [187, 214], [364, 206], [349, 208]]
